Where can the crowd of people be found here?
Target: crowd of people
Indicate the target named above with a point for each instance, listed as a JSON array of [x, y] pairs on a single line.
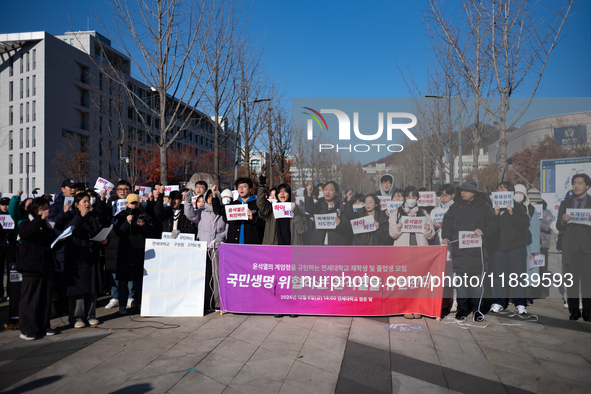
[[64, 277]]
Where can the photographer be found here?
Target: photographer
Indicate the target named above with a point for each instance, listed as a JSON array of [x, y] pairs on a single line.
[[132, 226]]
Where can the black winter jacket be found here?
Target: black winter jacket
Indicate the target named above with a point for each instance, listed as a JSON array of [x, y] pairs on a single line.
[[35, 257], [131, 247], [165, 215], [379, 237], [512, 228], [342, 235], [253, 229]]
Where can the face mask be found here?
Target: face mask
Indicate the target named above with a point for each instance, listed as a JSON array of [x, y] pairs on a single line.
[[226, 200], [411, 203], [92, 200], [518, 198]]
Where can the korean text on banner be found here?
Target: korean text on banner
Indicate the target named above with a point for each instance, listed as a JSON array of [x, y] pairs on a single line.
[[540, 210], [384, 202], [392, 206], [68, 200], [468, 239], [6, 222], [170, 188], [413, 224], [326, 221], [579, 216], [502, 199], [283, 210], [286, 280], [437, 214], [181, 236], [103, 184], [426, 199], [174, 278], [143, 191], [363, 225], [119, 206], [536, 260], [236, 212]]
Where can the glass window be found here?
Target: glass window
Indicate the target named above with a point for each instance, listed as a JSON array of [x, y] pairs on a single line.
[[10, 116], [34, 110], [21, 166], [28, 61], [34, 136], [34, 163], [20, 144], [21, 62], [10, 188], [27, 111], [10, 140], [20, 182], [33, 183], [34, 59], [10, 165], [11, 68], [34, 85], [21, 90], [21, 113], [27, 85], [10, 91], [27, 136]]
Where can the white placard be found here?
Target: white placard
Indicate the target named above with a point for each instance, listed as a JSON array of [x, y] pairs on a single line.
[[283, 210], [65, 234], [363, 225], [272, 200], [384, 202], [301, 201], [103, 184], [103, 234], [437, 214], [174, 278], [325, 221], [299, 192], [181, 236], [426, 199], [194, 201], [579, 216], [413, 224], [536, 260], [235, 195], [540, 209], [69, 200], [236, 212], [143, 191], [170, 188], [320, 194], [502, 199], [119, 206], [7, 222], [357, 207], [468, 239], [392, 206]]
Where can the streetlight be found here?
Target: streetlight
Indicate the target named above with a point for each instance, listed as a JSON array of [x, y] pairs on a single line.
[[237, 147], [461, 169]]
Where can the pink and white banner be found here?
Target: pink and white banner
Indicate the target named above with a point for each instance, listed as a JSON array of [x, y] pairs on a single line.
[[332, 280]]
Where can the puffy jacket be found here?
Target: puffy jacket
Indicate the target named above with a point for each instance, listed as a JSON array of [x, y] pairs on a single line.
[[252, 229], [165, 215], [131, 244], [403, 239], [342, 235], [298, 224], [35, 257], [378, 237], [209, 225], [512, 228]]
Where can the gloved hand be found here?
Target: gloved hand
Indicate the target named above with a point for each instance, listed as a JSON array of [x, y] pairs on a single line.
[[211, 245], [188, 195], [262, 179], [219, 239], [175, 233]]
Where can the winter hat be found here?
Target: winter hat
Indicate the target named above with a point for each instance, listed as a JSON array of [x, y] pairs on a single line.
[[534, 195], [469, 185], [227, 193], [521, 188], [132, 197]]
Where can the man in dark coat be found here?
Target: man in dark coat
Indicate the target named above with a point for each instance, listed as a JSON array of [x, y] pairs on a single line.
[[576, 248], [328, 204], [470, 212], [173, 218], [242, 231]]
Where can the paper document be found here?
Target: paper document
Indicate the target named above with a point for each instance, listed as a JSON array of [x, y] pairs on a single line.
[[67, 232], [104, 233]]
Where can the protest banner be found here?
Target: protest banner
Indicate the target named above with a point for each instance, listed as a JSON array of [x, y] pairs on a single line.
[[103, 184], [7, 222], [143, 191], [502, 199], [579, 216], [174, 278], [181, 236], [283, 210], [170, 188], [426, 199], [437, 214], [413, 224], [287, 280], [326, 221], [119, 206], [536, 260], [384, 202], [468, 239], [363, 225], [236, 212]]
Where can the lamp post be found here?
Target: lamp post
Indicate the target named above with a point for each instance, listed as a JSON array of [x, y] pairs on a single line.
[[237, 147], [460, 154]]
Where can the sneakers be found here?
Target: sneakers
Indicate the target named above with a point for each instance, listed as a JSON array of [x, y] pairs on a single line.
[[496, 308], [26, 337], [93, 322], [130, 303], [122, 310], [478, 316], [521, 310], [79, 324], [461, 314], [49, 332], [112, 304], [454, 307], [565, 305]]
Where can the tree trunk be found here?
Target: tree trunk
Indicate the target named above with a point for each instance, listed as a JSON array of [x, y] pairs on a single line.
[[163, 165], [270, 163]]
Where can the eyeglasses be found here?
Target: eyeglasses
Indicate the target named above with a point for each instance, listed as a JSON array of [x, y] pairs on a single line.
[[123, 190], [242, 187]]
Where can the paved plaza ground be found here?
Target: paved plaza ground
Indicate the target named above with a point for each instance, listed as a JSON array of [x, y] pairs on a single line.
[[261, 354]]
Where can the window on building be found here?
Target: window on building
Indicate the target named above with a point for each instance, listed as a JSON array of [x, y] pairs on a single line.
[[10, 91], [21, 89], [34, 85], [34, 136], [71, 41], [21, 113], [21, 62], [27, 163], [28, 62], [130, 113], [11, 67], [10, 188], [20, 165], [34, 59], [10, 116], [34, 110], [100, 124], [27, 86], [82, 121], [10, 165], [100, 81], [27, 111], [27, 136], [20, 144], [34, 163], [33, 183], [20, 182], [10, 140]]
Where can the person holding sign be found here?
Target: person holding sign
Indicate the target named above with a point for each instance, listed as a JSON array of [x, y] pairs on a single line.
[[172, 218], [469, 212], [35, 262], [409, 208], [380, 221], [576, 247], [284, 231], [532, 243], [329, 203], [387, 186], [242, 231]]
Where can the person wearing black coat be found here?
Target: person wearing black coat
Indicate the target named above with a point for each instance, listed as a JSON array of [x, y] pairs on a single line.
[[329, 203], [132, 227], [82, 263], [173, 218], [36, 264], [242, 231], [470, 212], [372, 207]]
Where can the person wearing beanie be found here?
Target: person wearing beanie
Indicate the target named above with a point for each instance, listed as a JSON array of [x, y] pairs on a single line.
[[173, 218], [226, 196]]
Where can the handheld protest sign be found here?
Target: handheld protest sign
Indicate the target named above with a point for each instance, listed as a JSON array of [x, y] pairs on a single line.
[[283, 210], [437, 215], [103, 184], [194, 201], [236, 212], [272, 200], [384, 202], [363, 225], [7, 222], [143, 191], [325, 221], [468, 239], [536, 260], [426, 199], [579, 216], [170, 188], [502, 199], [357, 207], [392, 206], [235, 195], [413, 224], [119, 206]]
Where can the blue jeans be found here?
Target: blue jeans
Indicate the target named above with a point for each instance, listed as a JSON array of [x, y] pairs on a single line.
[[115, 290], [507, 263]]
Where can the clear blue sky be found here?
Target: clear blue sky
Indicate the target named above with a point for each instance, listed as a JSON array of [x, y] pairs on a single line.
[[333, 48]]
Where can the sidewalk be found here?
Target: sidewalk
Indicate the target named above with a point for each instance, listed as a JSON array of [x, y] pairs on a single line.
[[261, 354]]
